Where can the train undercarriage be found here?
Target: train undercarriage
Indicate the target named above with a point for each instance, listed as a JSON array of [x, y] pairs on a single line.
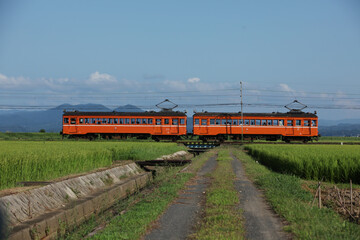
[[204, 138]]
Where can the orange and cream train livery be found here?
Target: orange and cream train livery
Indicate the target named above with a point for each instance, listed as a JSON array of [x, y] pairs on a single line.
[[171, 125], [290, 126], [120, 125]]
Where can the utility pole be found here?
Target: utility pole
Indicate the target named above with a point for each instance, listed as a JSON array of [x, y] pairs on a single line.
[[242, 114]]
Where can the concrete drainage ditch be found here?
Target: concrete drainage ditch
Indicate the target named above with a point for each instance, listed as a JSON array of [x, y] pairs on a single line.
[[43, 212]]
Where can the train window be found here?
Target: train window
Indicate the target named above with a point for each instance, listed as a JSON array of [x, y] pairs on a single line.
[[228, 122], [197, 121], [306, 123], [166, 121], [217, 121], [104, 120], [290, 122], [133, 121], [175, 121], [110, 121], [73, 120], [313, 123], [258, 122], [144, 121], [269, 122], [252, 122], [150, 121], [93, 120], [115, 121], [138, 121], [246, 122], [235, 122], [203, 121], [81, 120], [66, 120], [276, 122], [158, 121], [121, 121], [182, 121], [87, 120], [240, 122], [212, 121], [127, 120], [281, 122], [298, 122], [263, 122], [223, 122]]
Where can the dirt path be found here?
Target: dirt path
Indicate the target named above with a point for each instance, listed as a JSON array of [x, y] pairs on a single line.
[[260, 221], [178, 221]]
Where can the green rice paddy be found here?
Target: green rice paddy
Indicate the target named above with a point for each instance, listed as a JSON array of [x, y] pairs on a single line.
[[43, 161], [334, 163]]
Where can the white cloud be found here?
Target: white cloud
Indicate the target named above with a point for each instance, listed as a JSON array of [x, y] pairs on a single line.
[[285, 87], [13, 82], [101, 78], [194, 80]]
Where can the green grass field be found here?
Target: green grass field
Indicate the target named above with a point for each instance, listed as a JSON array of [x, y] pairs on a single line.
[[334, 163], [288, 198], [339, 139], [30, 136], [47, 160]]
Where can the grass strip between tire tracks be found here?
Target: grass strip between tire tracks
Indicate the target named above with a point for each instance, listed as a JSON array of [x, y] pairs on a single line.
[[222, 218], [292, 202], [131, 218]]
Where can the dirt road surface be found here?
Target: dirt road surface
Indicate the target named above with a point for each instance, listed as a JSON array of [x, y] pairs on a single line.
[[260, 221], [180, 218]]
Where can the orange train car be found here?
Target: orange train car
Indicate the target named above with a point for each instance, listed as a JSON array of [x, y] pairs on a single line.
[[120, 125], [290, 126]]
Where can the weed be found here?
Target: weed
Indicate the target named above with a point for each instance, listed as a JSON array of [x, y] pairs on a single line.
[[222, 218]]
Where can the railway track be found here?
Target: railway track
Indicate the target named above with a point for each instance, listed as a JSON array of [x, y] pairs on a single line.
[[300, 143], [208, 145]]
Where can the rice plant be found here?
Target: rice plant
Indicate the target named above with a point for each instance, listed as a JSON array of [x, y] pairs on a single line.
[[42, 161], [334, 163]]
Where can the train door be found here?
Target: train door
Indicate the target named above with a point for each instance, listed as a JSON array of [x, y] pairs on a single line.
[[204, 127], [158, 128], [297, 127], [73, 126], [228, 125], [166, 126], [175, 126], [306, 130], [289, 127]]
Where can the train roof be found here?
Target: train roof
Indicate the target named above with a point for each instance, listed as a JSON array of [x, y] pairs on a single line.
[[238, 114], [136, 114]]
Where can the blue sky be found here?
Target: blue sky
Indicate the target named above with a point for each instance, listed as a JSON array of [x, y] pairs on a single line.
[[193, 52]]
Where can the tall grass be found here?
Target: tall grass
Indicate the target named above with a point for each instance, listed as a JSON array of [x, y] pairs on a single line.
[[288, 198], [222, 218], [333, 163], [30, 136], [41, 161]]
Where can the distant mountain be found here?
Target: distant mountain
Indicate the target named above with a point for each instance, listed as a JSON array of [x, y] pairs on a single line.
[[90, 107], [128, 108], [347, 130], [50, 120], [337, 122]]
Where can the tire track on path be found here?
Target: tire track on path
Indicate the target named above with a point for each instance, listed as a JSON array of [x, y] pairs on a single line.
[[180, 218], [260, 221]]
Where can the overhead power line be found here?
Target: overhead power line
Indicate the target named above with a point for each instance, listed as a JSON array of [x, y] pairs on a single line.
[[148, 107]]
